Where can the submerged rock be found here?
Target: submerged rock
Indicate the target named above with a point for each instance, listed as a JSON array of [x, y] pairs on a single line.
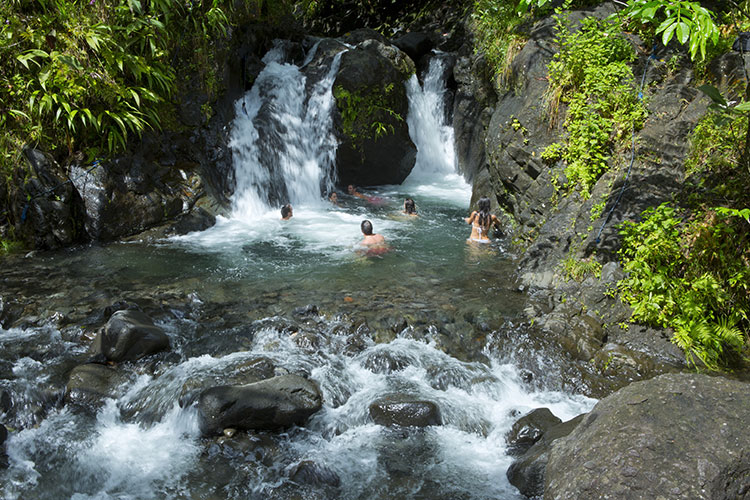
[[91, 383], [270, 404], [129, 335], [3, 453], [311, 473], [405, 413], [674, 436]]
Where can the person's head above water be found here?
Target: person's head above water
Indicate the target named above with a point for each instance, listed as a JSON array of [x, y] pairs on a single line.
[[366, 227], [410, 207], [484, 204], [286, 212], [351, 189], [333, 197]]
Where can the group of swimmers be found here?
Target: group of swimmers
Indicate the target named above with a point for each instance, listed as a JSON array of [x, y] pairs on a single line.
[[481, 220]]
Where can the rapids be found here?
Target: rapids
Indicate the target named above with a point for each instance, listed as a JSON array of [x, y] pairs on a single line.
[[433, 319]]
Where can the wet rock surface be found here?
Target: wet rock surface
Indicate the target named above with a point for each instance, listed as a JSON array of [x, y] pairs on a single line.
[[528, 429], [270, 404], [400, 411], [128, 336], [528, 472], [370, 91], [90, 384], [674, 436]]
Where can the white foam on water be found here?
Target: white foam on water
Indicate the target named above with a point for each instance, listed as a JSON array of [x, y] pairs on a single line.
[[130, 461], [434, 174]]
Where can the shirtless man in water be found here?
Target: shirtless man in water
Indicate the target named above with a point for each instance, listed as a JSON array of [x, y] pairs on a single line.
[[370, 239]]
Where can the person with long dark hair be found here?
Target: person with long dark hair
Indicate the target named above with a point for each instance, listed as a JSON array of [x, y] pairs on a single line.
[[410, 208], [481, 221]]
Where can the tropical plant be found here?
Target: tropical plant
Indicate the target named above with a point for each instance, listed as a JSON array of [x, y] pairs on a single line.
[[591, 74]]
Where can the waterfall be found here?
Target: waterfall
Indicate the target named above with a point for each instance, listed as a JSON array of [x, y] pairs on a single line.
[[282, 141], [435, 167]]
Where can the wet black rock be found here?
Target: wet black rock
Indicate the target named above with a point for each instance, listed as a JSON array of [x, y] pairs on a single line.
[[88, 385], [6, 402], [399, 411], [528, 429], [674, 436], [129, 335], [3, 452], [370, 90], [415, 44], [311, 473], [527, 472], [270, 404], [248, 372]]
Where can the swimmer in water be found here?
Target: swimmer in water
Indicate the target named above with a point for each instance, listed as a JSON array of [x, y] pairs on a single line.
[[353, 192], [481, 221], [286, 212], [371, 239], [410, 208], [334, 198]]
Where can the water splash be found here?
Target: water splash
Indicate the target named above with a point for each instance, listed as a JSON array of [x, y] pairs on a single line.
[[283, 148], [434, 172]]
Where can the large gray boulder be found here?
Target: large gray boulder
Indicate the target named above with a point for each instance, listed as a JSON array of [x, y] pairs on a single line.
[[370, 115], [677, 436], [129, 335], [270, 404]]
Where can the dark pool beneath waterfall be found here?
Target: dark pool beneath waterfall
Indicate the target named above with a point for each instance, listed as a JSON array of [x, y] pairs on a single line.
[[428, 316]]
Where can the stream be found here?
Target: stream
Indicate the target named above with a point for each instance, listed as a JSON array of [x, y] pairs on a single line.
[[434, 319]]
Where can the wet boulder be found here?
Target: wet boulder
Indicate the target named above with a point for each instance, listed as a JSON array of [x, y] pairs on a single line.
[[370, 115], [673, 436], [528, 429], [271, 404], [397, 411], [92, 383], [129, 335], [49, 217], [527, 472]]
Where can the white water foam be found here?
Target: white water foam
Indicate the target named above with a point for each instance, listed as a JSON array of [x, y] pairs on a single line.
[[294, 158], [434, 173]]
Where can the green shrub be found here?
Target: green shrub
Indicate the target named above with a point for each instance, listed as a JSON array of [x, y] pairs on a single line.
[[495, 25], [692, 276], [592, 76]]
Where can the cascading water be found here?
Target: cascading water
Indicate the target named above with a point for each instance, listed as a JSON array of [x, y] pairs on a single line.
[[435, 168], [281, 139], [426, 322]]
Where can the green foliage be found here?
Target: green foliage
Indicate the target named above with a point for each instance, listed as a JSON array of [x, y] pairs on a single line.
[[580, 269], [692, 276], [591, 74], [687, 22], [495, 25], [715, 144], [366, 114], [86, 72]]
